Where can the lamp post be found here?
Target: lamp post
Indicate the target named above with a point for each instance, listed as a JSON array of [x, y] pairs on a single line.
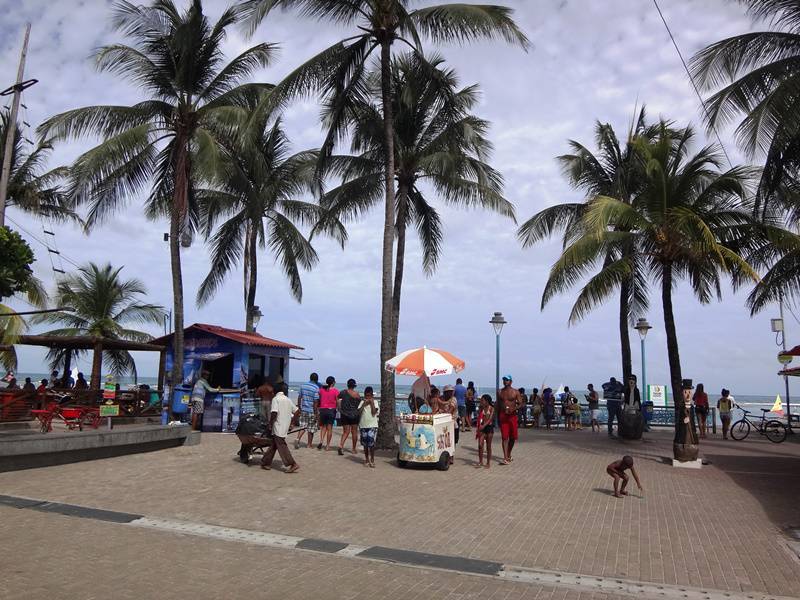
[[255, 315], [497, 322], [778, 327], [642, 326]]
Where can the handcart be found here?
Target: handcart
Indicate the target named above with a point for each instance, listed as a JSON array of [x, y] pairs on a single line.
[[426, 439], [255, 436]]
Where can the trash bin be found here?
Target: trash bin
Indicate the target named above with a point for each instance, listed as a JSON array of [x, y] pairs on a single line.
[[631, 424], [647, 411], [181, 396]]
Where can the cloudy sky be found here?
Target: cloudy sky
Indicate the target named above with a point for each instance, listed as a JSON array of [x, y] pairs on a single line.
[[590, 60]]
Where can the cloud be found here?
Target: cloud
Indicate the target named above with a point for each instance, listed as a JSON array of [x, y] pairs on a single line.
[[590, 61]]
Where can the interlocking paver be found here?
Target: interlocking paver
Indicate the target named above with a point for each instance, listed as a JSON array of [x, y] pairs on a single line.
[[718, 527]]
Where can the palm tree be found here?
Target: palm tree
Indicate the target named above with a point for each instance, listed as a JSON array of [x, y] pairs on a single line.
[[257, 186], [755, 77], [615, 171], [104, 306], [683, 223], [156, 147], [31, 188], [437, 142], [339, 73]]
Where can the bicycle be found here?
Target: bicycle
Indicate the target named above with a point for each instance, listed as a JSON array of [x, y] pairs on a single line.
[[772, 429]]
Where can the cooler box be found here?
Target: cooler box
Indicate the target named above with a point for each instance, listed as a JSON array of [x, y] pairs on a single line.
[[181, 396], [423, 438]]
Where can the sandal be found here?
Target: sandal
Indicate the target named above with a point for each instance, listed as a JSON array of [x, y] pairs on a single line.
[[341, 452], [266, 468], [372, 465], [293, 469]]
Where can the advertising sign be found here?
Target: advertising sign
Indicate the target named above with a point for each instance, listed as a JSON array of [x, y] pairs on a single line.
[[230, 412], [658, 394], [109, 410]]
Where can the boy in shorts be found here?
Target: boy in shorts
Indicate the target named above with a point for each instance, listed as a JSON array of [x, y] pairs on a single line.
[[617, 471]]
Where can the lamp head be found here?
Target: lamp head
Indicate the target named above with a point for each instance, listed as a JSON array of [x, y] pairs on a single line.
[[497, 322], [642, 326], [256, 314]]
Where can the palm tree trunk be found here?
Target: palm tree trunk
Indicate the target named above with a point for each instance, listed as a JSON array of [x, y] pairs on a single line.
[[386, 426], [97, 367], [179, 208], [399, 263], [251, 269], [624, 331], [672, 340]]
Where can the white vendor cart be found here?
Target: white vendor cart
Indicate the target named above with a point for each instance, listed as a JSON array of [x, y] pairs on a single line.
[[427, 439]]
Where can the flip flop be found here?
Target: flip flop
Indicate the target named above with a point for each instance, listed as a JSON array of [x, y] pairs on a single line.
[[266, 468], [293, 469]]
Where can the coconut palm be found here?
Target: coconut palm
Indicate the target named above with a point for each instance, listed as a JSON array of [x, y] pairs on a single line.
[[156, 147], [339, 73], [258, 183], [104, 305], [683, 223], [615, 171], [754, 78], [31, 188], [440, 153]]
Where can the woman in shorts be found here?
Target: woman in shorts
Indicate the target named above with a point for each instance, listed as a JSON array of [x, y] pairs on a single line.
[[485, 430], [328, 395], [349, 401]]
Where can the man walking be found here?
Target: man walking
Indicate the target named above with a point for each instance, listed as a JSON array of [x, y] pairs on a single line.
[[283, 411], [461, 401], [308, 402], [509, 402], [612, 392]]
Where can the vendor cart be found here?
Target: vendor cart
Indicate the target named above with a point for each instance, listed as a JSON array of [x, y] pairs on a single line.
[[426, 439]]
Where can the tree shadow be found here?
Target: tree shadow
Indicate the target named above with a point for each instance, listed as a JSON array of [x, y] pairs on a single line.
[[772, 481]]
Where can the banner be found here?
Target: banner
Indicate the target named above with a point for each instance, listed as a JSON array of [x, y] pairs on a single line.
[[657, 394]]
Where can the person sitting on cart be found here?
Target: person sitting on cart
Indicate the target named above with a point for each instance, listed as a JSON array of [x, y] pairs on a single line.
[[283, 413]]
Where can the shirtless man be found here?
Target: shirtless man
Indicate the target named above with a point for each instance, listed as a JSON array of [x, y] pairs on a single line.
[[265, 393], [509, 402]]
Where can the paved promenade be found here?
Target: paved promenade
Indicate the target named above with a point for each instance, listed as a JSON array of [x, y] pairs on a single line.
[[726, 527]]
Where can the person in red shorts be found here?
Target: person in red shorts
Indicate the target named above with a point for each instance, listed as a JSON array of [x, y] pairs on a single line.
[[509, 402]]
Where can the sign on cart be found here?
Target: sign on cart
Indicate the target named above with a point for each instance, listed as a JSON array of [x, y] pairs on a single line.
[[109, 410]]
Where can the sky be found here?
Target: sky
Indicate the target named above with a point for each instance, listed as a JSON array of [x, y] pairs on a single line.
[[589, 61]]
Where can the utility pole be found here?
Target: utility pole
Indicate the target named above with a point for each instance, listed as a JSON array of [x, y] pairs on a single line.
[[785, 377], [16, 90]]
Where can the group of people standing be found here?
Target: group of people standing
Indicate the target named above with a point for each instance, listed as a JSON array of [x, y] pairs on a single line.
[[316, 411]]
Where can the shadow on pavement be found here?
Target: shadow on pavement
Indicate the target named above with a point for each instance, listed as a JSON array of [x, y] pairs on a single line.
[[773, 480]]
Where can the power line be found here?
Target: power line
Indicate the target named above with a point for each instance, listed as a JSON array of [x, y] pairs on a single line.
[[694, 86], [43, 243]]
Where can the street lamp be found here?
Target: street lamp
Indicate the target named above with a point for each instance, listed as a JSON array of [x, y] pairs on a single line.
[[642, 326], [497, 322], [256, 314]]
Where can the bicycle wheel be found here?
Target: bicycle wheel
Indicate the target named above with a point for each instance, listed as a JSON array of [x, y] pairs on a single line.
[[775, 431], [740, 430]]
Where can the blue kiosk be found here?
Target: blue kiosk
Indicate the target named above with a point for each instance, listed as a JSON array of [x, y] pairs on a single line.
[[235, 360]]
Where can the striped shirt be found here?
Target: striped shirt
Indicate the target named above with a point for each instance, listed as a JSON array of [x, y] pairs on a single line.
[[309, 393]]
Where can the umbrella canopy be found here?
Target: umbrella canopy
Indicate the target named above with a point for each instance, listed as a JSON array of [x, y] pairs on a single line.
[[793, 351], [428, 361]]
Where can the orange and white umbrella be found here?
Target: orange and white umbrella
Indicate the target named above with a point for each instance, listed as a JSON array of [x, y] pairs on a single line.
[[428, 361]]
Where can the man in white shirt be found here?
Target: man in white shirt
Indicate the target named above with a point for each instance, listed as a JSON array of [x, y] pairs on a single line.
[[280, 419]]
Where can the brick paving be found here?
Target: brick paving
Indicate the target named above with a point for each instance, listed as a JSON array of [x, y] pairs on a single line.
[[58, 557], [722, 527]]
